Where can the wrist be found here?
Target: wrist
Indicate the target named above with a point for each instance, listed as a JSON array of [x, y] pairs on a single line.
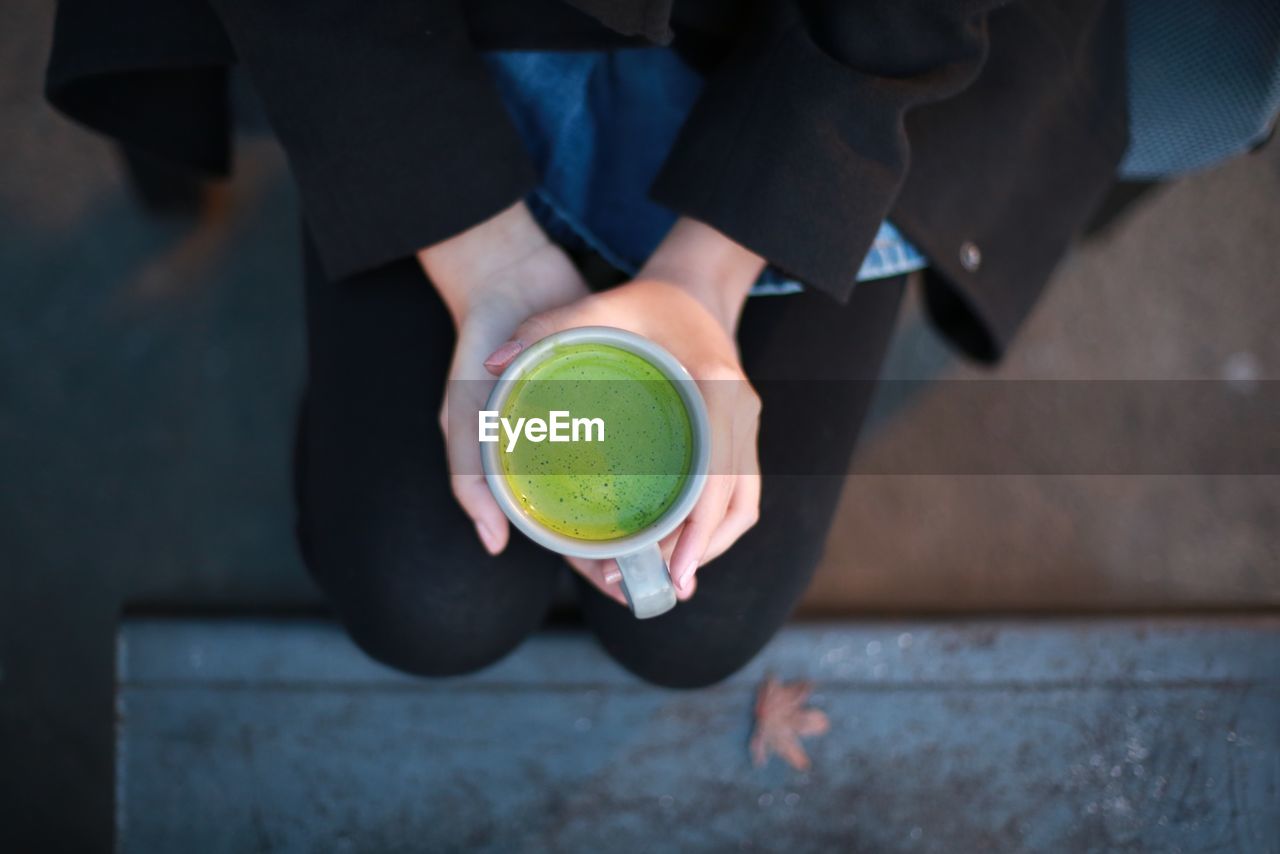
[[708, 266], [478, 264]]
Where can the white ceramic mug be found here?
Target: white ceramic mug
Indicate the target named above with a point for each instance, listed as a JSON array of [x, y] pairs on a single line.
[[646, 582]]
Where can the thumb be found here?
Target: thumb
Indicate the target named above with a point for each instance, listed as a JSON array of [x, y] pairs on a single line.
[[530, 332]]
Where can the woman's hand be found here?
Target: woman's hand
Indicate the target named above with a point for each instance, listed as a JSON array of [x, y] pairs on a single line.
[[491, 277], [687, 299]]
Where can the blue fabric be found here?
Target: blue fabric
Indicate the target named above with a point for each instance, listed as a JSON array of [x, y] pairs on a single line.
[[598, 126]]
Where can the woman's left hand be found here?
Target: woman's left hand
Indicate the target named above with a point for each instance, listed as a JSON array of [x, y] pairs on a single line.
[[687, 299]]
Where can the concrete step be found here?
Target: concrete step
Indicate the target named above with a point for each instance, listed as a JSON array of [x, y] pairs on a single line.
[[1063, 735]]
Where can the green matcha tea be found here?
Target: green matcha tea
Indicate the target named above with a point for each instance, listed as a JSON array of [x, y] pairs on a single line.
[[609, 482]]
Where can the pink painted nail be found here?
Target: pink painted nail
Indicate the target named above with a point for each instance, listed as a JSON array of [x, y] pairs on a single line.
[[687, 591], [504, 354], [488, 537], [612, 576], [686, 577]]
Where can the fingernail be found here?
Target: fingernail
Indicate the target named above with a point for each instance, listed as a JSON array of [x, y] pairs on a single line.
[[488, 537], [686, 592], [499, 358], [612, 576], [686, 577]]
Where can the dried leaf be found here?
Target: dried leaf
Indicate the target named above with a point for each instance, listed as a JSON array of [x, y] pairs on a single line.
[[782, 719]]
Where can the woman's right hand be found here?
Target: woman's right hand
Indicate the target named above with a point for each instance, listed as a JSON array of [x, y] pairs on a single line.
[[492, 277]]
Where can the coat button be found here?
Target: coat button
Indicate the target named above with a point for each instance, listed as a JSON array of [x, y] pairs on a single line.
[[970, 256]]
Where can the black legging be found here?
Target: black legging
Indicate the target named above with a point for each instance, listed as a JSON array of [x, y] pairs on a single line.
[[401, 563]]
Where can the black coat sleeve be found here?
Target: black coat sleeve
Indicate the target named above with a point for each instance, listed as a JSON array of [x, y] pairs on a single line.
[[797, 147], [395, 135], [152, 74]]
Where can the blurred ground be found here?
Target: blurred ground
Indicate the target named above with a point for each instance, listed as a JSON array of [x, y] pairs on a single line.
[[149, 370], [1185, 287]]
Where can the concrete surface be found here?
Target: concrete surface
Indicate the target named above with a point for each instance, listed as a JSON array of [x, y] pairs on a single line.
[[1184, 288], [148, 375], [1058, 735]]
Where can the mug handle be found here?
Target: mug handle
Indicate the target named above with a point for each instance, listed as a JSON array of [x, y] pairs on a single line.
[[646, 582]]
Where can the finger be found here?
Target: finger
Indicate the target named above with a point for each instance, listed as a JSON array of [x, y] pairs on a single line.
[[667, 545], [601, 574], [531, 331], [743, 510], [469, 488], [698, 528], [741, 516], [498, 360], [721, 400], [472, 493], [473, 496], [684, 594]]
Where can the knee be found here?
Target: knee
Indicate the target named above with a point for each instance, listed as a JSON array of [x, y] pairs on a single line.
[[399, 561], [682, 674], [431, 652], [426, 630], [684, 678], [683, 663], [428, 611]]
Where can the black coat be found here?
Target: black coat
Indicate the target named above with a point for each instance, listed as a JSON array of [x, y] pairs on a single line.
[[988, 132]]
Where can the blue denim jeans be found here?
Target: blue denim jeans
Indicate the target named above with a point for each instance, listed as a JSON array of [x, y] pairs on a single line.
[[598, 126]]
